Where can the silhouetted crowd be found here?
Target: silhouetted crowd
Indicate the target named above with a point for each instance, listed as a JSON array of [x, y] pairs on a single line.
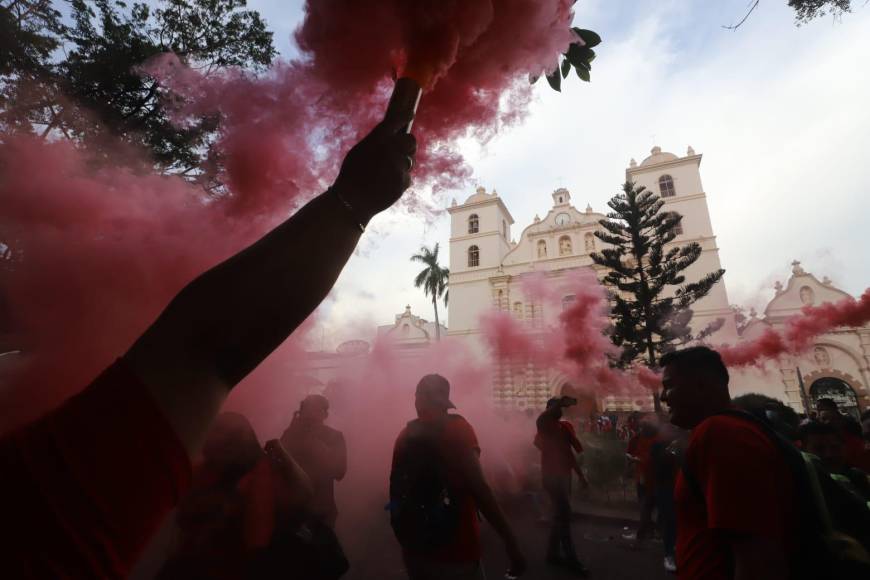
[[742, 488]]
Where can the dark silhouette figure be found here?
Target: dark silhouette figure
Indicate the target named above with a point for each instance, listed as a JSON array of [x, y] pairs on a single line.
[[320, 451], [437, 487], [558, 443]]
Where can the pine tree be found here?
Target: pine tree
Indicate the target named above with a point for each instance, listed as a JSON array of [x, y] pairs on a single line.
[[650, 296]]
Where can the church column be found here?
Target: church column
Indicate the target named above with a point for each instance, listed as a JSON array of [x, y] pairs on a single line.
[[792, 388]]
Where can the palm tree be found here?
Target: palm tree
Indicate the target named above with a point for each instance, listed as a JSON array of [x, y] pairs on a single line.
[[433, 279]]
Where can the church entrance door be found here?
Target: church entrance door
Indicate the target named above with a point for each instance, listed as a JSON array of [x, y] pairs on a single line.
[[839, 391]]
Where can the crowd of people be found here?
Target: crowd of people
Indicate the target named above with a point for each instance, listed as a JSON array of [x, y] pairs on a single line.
[[86, 486]]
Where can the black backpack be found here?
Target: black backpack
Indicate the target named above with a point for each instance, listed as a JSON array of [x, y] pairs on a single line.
[[424, 508], [830, 519]]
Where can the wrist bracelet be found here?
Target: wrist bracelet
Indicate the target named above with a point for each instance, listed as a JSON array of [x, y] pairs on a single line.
[[350, 209]]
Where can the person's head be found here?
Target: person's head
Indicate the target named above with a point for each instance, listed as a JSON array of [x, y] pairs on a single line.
[[432, 396], [827, 404], [826, 442], [314, 409], [695, 385], [828, 410], [780, 416], [231, 444], [556, 405]]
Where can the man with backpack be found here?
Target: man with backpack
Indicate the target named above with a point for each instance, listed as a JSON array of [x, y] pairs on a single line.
[[437, 487], [749, 503], [735, 496]]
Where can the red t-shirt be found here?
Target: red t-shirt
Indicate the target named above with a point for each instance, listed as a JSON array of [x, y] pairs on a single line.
[[457, 440], [83, 488], [748, 489], [857, 454], [640, 446], [557, 457]]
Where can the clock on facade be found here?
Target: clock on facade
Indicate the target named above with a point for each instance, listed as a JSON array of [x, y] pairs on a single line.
[[562, 219]]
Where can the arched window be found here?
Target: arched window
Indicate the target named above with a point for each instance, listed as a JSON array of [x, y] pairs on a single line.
[[504, 229], [666, 186], [473, 224], [589, 241], [542, 249], [518, 310], [567, 301], [565, 248], [473, 257]]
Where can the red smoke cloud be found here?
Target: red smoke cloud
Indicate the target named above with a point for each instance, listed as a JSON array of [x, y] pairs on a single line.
[[577, 346], [370, 402], [800, 331], [102, 248], [474, 57]]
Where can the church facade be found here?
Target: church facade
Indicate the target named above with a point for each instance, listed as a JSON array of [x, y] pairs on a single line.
[[488, 264]]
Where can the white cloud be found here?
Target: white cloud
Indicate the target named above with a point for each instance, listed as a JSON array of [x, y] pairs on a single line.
[[780, 113]]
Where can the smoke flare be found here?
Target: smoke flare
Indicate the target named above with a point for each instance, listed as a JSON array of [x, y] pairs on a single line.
[[100, 249]]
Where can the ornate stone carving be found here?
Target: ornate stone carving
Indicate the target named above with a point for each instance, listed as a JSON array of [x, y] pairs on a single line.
[[796, 269], [822, 358]]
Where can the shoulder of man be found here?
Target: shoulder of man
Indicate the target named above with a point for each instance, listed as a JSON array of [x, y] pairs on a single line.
[[459, 430], [332, 435], [729, 435]]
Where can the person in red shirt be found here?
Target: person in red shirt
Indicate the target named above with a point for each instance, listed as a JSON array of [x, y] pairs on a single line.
[[639, 452], [240, 492], [735, 494], [320, 450], [558, 443], [451, 551], [85, 487], [850, 431]]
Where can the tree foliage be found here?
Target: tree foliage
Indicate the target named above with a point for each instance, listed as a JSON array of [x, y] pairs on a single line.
[[806, 10], [30, 32], [579, 56], [95, 88], [433, 279], [651, 299]]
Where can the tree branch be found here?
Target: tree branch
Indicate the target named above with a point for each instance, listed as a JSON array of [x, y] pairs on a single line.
[[742, 20]]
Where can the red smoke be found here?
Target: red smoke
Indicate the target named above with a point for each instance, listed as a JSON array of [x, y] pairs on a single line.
[[577, 346], [102, 249], [800, 331], [474, 57]]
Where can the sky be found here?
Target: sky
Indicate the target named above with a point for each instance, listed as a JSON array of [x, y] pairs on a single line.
[[779, 112]]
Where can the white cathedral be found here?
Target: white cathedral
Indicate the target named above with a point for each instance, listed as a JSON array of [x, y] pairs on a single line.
[[487, 264]]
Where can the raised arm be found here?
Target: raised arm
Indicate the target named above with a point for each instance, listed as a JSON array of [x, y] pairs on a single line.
[[225, 322]]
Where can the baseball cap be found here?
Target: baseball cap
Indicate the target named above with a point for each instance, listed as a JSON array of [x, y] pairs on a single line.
[[563, 401], [435, 390]]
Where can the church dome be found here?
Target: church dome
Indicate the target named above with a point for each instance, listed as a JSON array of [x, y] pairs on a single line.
[[481, 195], [658, 156]]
